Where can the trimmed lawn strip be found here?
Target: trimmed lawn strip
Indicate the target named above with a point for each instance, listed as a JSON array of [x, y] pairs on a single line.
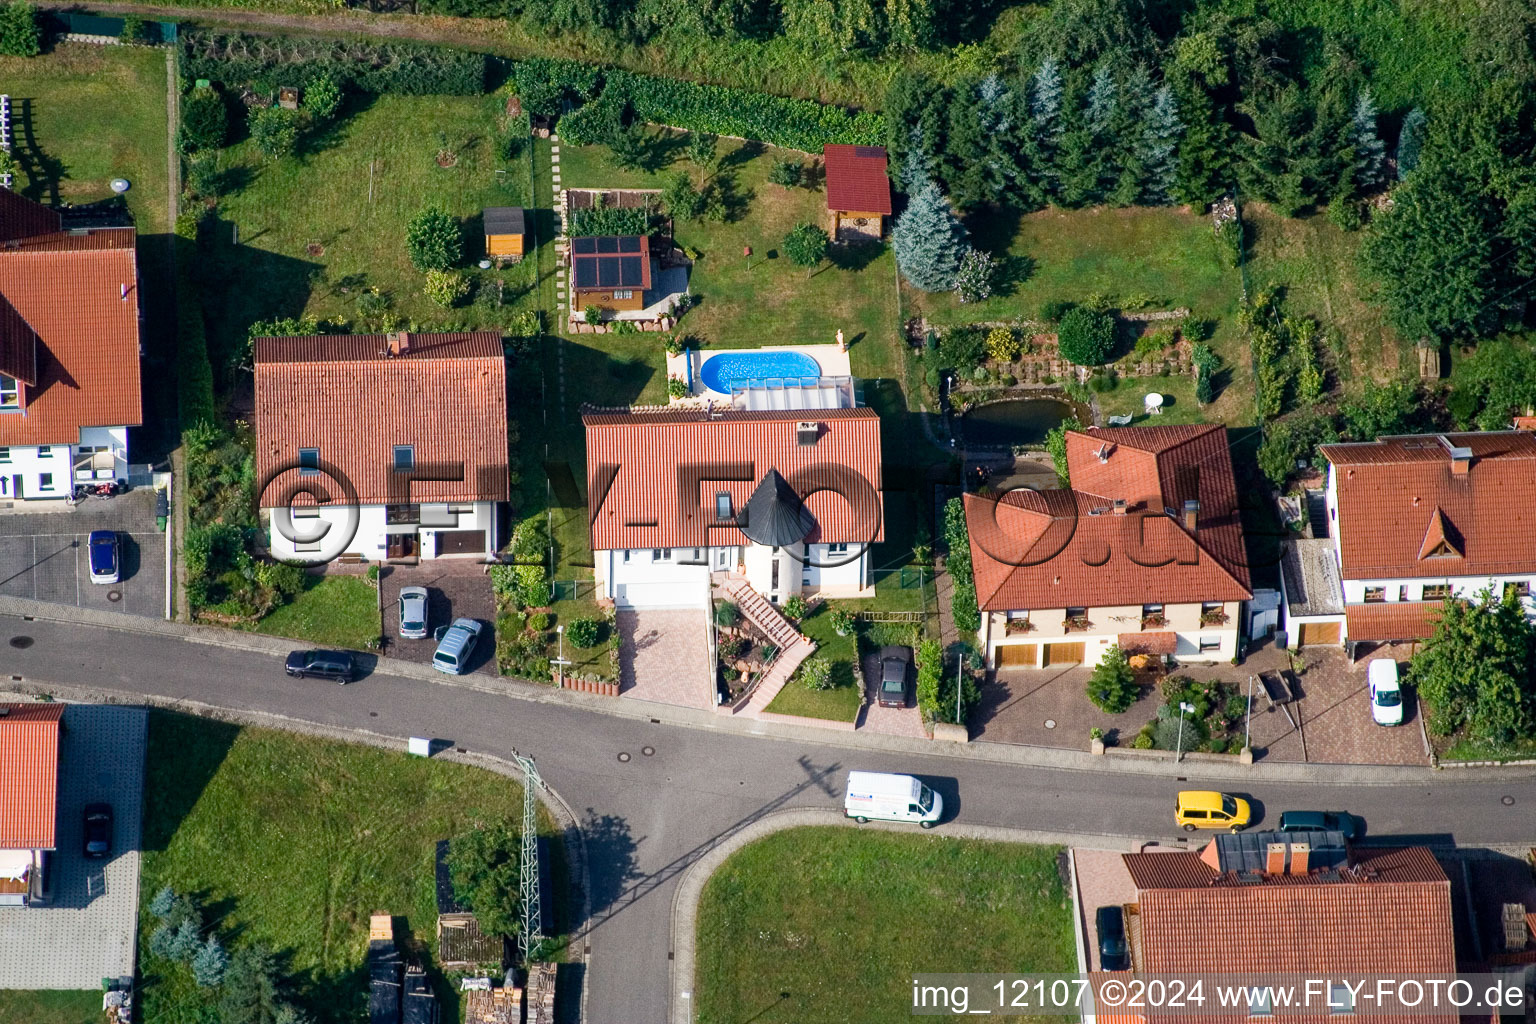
[[333, 611], [842, 702], [839, 918], [49, 1006], [292, 842]]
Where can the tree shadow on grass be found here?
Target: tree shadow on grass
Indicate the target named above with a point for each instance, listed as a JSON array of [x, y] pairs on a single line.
[[1012, 271], [741, 156], [854, 256], [184, 754]]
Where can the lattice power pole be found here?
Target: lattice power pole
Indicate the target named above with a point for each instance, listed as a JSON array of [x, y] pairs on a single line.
[[533, 933]]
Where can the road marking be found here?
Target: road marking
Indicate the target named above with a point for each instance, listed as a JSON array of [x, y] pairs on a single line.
[[34, 567], [77, 569]]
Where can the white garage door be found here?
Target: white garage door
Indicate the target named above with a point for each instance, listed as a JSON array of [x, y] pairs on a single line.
[[659, 595]]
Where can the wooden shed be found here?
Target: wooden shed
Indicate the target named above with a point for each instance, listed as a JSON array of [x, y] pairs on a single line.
[[505, 229], [858, 192], [612, 272]]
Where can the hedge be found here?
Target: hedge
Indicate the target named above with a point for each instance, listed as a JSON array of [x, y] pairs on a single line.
[[406, 68], [194, 373]]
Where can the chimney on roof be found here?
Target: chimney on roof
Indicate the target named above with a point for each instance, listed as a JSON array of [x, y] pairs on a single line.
[[1300, 854], [1120, 506], [398, 343], [1191, 514], [1274, 860], [1461, 456]]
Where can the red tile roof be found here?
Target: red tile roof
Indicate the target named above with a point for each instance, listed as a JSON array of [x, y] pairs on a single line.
[[856, 179], [69, 322], [1058, 549], [1148, 643], [1391, 620], [29, 775], [1395, 494], [446, 396], [646, 469], [21, 217]]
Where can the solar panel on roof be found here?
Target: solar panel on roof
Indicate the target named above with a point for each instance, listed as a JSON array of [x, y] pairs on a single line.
[[874, 151], [584, 245], [607, 273], [607, 243], [586, 273], [629, 243], [629, 270]]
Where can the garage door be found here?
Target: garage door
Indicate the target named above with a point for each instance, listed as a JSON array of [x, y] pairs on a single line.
[[658, 595], [1016, 656], [461, 542], [1318, 634], [1064, 654]]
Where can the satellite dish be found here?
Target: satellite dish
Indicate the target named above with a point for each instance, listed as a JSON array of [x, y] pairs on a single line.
[[120, 185]]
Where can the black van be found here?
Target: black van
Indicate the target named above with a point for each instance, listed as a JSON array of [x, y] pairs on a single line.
[[1109, 922], [335, 665]]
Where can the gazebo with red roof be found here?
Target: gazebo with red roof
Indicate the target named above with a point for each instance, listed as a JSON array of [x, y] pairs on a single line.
[[858, 191]]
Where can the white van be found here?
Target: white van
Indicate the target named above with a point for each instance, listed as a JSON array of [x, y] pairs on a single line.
[[892, 798]]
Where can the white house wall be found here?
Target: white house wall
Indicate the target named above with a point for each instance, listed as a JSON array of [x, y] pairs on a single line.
[[23, 470], [677, 581], [371, 540]]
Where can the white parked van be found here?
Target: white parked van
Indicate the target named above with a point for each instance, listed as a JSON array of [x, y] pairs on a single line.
[[891, 798]]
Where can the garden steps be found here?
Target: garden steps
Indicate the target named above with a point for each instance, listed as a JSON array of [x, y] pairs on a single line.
[[770, 685], [793, 646]]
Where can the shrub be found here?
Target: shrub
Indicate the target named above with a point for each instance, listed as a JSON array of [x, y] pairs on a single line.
[[612, 220], [503, 581], [532, 585], [593, 313], [204, 121], [275, 130], [726, 614], [584, 632], [1086, 337], [1052, 310], [203, 175], [977, 275], [732, 648], [19, 34], [445, 288], [816, 674], [545, 83], [433, 240], [1345, 214], [483, 870], [1143, 739], [1112, 686], [805, 245], [540, 621], [1218, 745], [371, 67], [187, 939], [599, 121], [842, 621], [677, 388], [1231, 236], [322, 98], [1003, 344], [962, 348], [794, 608], [930, 668], [788, 173], [163, 903], [1197, 328], [682, 197]]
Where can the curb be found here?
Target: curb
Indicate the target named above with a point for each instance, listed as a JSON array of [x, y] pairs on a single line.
[[672, 715], [685, 901]]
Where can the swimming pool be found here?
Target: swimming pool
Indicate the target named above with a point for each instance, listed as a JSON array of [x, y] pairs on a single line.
[[725, 370]]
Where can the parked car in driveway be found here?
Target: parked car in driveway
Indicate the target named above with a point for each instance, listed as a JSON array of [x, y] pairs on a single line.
[[337, 665], [455, 645], [1199, 808], [98, 831], [1114, 955], [893, 676], [105, 556], [1320, 821], [1385, 693], [413, 613]]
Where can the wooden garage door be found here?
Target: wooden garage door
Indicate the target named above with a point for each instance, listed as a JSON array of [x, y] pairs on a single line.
[[1064, 654], [1016, 656], [1318, 634], [460, 542]]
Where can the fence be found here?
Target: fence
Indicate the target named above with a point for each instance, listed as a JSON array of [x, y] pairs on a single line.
[[92, 28], [572, 590]]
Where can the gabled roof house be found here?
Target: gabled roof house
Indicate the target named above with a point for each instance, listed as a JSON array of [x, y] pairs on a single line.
[[29, 782], [69, 351], [790, 501], [1144, 550]]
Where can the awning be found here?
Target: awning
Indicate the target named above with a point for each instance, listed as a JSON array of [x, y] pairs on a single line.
[[1148, 643], [1391, 620]]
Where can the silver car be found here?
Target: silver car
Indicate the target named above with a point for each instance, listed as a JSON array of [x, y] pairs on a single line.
[[413, 613]]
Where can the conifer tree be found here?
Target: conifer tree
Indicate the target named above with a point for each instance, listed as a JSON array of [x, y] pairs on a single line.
[[929, 240], [1370, 151], [1159, 149], [1043, 135], [1409, 142]]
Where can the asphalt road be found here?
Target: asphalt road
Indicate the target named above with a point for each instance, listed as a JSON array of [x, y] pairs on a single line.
[[649, 815]]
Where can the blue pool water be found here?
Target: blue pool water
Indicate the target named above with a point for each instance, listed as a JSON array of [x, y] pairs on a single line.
[[724, 370]]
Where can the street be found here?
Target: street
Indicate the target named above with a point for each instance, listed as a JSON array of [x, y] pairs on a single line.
[[648, 816]]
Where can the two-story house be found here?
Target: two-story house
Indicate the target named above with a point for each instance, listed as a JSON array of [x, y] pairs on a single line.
[[69, 352], [1144, 551], [382, 447], [1413, 520], [791, 501], [29, 783]]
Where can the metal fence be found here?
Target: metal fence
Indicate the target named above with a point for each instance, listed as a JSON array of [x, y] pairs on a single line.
[[572, 590]]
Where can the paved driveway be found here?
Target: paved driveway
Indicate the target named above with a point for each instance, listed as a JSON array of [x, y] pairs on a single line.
[[87, 932], [907, 721], [1335, 716], [455, 589], [665, 657], [43, 555]]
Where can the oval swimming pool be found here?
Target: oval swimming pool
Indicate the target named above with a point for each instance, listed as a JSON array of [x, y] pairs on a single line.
[[724, 370]]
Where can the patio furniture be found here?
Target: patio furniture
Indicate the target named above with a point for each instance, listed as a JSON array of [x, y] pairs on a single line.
[[1154, 404]]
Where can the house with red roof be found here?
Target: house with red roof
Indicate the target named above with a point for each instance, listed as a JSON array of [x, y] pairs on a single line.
[[29, 782], [788, 501], [1411, 521], [1144, 550], [382, 447], [858, 192], [69, 351]]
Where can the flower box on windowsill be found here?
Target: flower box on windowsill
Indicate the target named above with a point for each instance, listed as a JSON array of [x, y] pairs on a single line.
[[1215, 617], [1077, 625], [1155, 621], [1016, 626]]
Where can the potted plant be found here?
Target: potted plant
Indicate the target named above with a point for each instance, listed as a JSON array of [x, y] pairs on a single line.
[[1153, 621], [842, 621], [1096, 740], [1015, 626], [1213, 617], [1076, 624]]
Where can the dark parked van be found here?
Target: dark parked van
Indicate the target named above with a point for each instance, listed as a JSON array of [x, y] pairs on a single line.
[[335, 665], [1114, 955]]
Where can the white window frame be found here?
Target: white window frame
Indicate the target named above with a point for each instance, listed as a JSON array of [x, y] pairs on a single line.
[[723, 506], [1209, 643], [837, 549], [309, 470], [10, 392], [623, 293]]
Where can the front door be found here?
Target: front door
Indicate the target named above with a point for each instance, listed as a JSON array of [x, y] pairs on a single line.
[[402, 545], [721, 559]]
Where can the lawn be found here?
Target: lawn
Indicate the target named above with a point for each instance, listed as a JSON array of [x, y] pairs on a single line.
[[842, 702], [49, 1007], [292, 842], [829, 924], [318, 229], [333, 611]]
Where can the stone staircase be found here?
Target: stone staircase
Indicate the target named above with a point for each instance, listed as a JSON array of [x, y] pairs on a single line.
[[1317, 513], [793, 647]]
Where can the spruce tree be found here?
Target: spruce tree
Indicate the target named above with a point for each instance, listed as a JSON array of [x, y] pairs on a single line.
[[1159, 149], [209, 964], [1126, 130], [1043, 135], [1409, 142], [1370, 151], [187, 940], [929, 240], [1099, 118]]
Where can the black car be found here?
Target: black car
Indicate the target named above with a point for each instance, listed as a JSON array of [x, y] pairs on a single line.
[[1321, 821], [893, 676], [335, 665], [1114, 955], [98, 831]]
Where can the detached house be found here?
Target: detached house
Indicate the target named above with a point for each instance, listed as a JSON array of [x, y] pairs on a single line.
[[69, 351], [406, 435], [790, 501], [29, 780], [1145, 550], [1411, 521]]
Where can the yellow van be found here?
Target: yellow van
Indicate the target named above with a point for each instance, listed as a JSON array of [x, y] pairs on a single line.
[[1200, 808]]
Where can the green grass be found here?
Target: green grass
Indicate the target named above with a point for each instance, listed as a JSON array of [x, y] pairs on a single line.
[[829, 924], [333, 611], [1462, 749], [842, 702], [1129, 396], [319, 228], [49, 1007], [292, 842]]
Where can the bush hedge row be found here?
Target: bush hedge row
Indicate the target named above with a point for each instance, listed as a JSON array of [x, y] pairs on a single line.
[[194, 372], [405, 68]]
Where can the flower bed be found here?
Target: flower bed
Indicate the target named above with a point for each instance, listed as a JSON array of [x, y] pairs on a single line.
[[1215, 726]]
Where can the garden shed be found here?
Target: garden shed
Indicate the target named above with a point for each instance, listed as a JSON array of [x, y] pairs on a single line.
[[858, 192], [612, 272], [505, 229]]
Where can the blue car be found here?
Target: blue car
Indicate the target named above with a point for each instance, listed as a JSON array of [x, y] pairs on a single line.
[[105, 557]]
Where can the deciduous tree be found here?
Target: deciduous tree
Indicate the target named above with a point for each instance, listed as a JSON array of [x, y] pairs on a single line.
[[483, 864], [1476, 673]]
